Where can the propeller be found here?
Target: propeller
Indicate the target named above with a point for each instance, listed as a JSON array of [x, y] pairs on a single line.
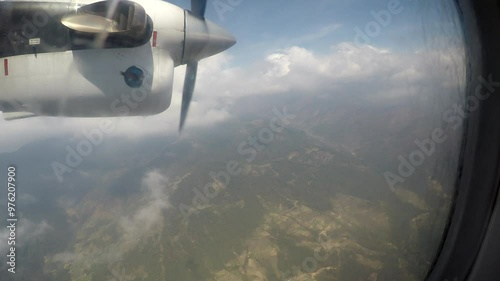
[[90, 23], [187, 92], [198, 8], [104, 17]]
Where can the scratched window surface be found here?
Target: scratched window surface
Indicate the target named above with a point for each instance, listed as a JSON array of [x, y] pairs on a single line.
[[244, 140]]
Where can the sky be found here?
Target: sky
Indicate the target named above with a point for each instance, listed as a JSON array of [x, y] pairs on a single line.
[[263, 26], [281, 39], [293, 45], [283, 46]]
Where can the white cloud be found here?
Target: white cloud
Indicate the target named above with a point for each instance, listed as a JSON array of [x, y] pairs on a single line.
[[281, 65], [322, 32], [154, 203], [379, 73], [26, 231]]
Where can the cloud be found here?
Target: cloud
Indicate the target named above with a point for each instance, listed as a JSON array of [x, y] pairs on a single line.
[[376, 73], [26, 232], [323, 32], [281, 65], [155, 201]]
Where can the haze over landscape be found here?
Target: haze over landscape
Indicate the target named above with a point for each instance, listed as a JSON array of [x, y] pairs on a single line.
[[281, 171]]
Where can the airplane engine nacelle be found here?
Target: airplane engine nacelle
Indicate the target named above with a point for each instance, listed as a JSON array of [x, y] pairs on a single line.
[[98, 59]]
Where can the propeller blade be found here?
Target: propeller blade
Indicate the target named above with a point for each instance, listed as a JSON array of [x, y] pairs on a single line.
[[187, 92], [198, 8], [90, 23]]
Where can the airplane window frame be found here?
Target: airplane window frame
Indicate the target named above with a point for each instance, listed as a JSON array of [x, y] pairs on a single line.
[[470, 250]]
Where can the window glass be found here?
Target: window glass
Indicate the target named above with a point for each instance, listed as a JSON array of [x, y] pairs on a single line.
[[324, 145]]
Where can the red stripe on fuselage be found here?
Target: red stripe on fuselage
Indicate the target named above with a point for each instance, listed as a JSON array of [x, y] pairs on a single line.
[[155, 36], [6, 67]]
